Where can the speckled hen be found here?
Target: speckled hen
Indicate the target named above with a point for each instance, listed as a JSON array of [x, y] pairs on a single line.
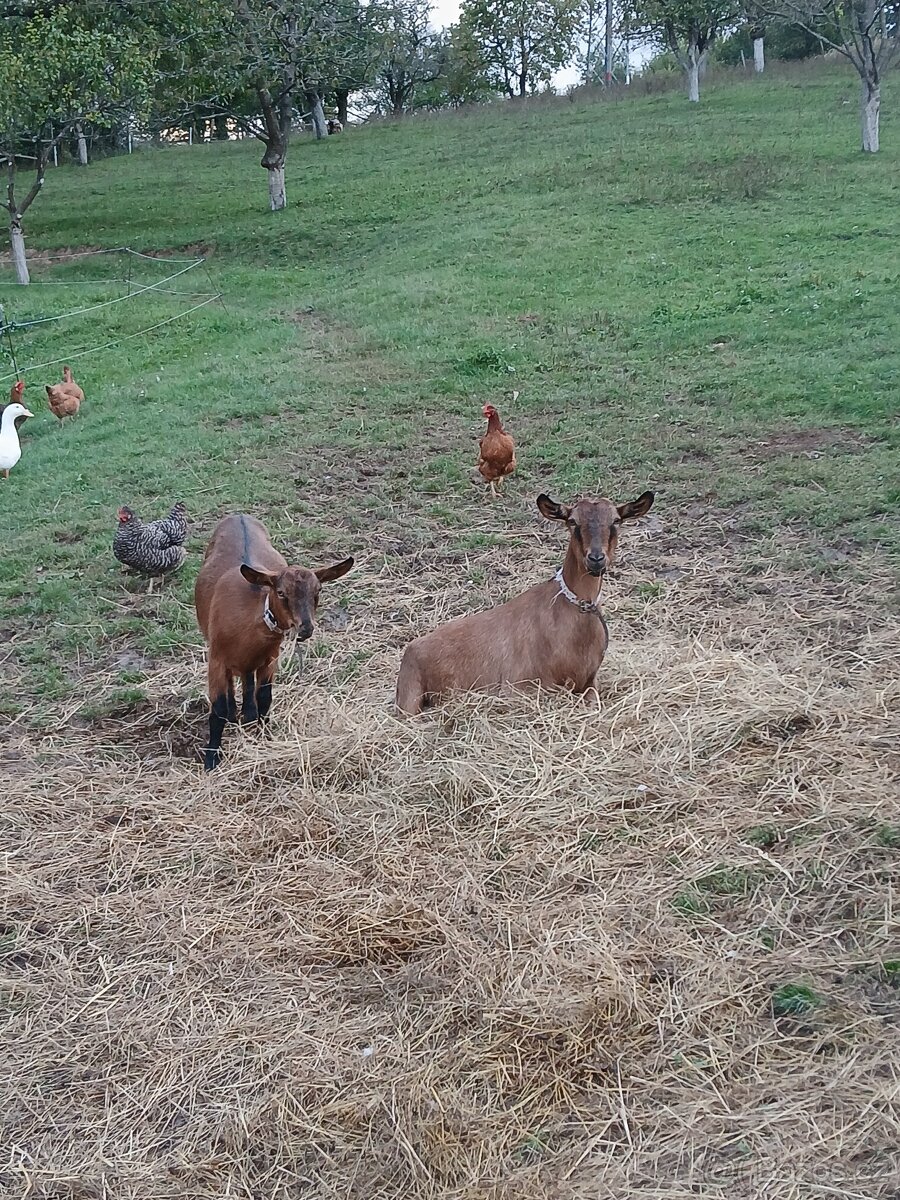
[[155, 548]]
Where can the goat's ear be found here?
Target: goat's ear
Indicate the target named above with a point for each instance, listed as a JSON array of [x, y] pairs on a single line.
[[551, 510], [260, 578], [335, 571], [636, 508], [50, 390]]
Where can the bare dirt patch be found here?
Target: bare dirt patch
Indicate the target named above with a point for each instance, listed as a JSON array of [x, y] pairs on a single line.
[[810, 443], [517, 950]]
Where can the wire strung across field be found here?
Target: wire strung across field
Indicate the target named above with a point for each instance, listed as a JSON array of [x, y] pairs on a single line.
[[7, 327]]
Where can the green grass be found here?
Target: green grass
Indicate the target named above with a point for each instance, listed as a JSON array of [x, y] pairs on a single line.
[[794, 1000], [701, 301]]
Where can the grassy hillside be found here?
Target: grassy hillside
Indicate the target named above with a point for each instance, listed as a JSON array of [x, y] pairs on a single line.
[[666, 289], [524, 949]]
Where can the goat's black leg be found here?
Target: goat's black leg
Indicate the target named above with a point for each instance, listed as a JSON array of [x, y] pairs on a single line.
[[249, 710], [264, 691], [218, 715], [221, 702]]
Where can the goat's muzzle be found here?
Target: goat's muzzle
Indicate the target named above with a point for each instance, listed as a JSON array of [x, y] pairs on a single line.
[[596, 564]]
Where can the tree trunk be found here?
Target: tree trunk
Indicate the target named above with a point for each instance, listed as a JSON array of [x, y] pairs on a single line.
[[286, 115], [317, 113], [343, 96], [277, 195], [221, 124], [871, 111], [17, 245], [693, 82], [82, 147], [608, 45], [276, 150], [759, 55], [692, 66]]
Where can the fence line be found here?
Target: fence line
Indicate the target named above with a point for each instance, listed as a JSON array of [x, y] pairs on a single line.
[[124, 282], [39, 258], [79, 254], [107, 345], [75, 282], [78, 312], [160, 258]]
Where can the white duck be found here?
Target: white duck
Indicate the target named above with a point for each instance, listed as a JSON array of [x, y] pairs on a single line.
[[10, 450]]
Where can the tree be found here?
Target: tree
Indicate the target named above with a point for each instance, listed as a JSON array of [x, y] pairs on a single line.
[[250, 62], [60, 68], [268, 56], [355, 67], [521, 44], [867, 32], [687, 28], [755, 20], [410, 53], [784, 42]]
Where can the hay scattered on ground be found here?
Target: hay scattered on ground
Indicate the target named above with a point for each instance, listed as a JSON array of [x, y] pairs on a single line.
[[643, 946]]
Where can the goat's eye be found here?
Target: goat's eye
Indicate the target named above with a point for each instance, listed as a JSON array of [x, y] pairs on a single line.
[[281, 595]]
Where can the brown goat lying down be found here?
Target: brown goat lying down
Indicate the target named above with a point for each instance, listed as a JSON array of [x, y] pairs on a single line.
[[247, 598], [553, 635]]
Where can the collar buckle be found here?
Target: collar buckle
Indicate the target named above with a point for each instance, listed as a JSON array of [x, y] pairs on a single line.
[[268, 617], [585, 606]]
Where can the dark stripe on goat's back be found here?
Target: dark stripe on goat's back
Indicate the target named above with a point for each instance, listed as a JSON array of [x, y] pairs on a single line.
[[246, 533]]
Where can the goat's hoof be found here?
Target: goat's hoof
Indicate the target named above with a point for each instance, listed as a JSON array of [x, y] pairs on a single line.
[[211, 760]]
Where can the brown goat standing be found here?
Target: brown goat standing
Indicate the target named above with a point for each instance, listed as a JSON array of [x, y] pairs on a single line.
[[553, 635], [247, 598]]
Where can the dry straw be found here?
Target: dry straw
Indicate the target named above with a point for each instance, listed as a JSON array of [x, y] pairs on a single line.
[[636, 948]]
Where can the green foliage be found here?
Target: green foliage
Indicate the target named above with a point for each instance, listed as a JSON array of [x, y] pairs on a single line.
[[728, 881], [68, 65], [794, 1000], [684, 27], [764, 836], [463, 78], [411, 54], [690, 903], [784, 42], [518, 44]]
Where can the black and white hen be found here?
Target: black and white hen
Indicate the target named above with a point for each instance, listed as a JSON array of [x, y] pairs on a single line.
[[155, 548]]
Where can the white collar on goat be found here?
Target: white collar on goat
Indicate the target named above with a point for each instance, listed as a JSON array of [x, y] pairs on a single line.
[[269, 619], [586, 606]]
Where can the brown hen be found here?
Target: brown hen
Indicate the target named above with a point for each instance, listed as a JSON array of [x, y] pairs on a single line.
[[65, 398], [497, 454]]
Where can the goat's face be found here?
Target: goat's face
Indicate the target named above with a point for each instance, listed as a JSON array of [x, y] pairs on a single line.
[[294, 593], [594, 526]]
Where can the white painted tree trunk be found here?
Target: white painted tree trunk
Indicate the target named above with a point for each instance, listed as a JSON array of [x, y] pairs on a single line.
[[693, 73], [17, 245], [317, 113], [759, 55], [82, 147], [871, 111], [277, 195]]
